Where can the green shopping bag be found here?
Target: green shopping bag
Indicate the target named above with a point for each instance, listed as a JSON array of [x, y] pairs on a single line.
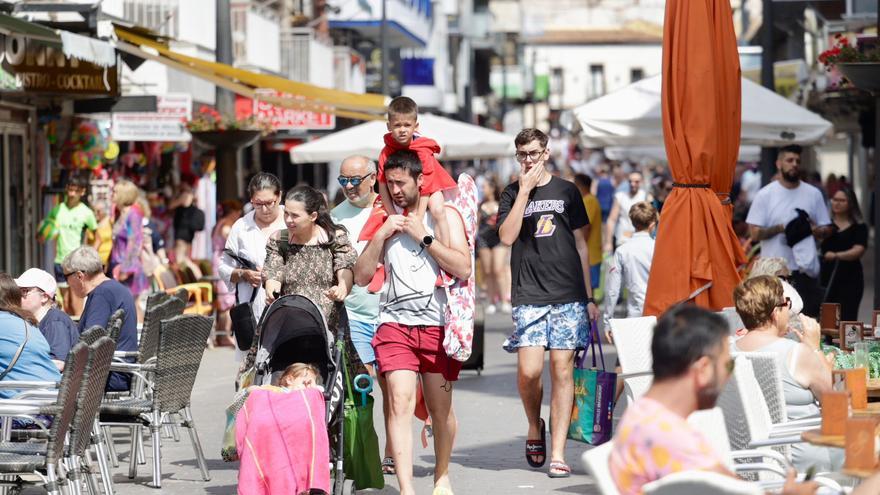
[[360, 450]]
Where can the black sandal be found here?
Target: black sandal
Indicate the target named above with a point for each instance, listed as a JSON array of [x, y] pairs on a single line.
[[535, 448]]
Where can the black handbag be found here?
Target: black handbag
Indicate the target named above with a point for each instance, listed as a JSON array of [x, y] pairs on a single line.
[[244, 325]]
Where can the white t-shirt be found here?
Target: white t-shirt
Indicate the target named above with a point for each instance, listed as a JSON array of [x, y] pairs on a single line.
[[410, 295], [775, 204], [247, 241], [624, 229]]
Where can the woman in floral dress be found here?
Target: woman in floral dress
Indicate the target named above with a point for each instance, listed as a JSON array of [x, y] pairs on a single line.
[[317, 261]]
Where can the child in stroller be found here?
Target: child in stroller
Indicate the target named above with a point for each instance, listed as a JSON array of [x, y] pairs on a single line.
[[281, 436]]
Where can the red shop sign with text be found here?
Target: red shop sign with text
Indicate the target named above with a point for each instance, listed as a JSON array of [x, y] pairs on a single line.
[[283, 118]]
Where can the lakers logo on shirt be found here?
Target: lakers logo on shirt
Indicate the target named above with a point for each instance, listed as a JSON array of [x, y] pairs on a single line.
[[546, 227]]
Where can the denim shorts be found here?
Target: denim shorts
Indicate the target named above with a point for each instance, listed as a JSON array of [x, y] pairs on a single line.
[[554, 326], [361, 337]]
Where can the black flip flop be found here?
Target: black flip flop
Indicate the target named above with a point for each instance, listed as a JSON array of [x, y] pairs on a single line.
[[536, 448]]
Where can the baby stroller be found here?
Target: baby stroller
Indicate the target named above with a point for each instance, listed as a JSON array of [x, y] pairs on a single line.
[[293, 329]]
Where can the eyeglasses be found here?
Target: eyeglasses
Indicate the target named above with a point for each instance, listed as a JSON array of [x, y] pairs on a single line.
[[355, 181], [67, 275], [533, 155], [785, 304], [25, 291], [259, 204]]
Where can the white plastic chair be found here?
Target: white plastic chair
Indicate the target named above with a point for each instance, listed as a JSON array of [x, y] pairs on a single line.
[[712, 425], [701, 483], [760, 429], [596, 463], [632, 339]]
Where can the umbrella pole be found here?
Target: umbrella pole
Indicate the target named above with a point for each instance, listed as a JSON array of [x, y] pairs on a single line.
[[877, 178], [874, 195], [768, 80]]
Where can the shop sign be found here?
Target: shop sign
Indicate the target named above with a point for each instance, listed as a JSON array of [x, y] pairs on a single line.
[[167, 123], [43, 69], [283, 118]]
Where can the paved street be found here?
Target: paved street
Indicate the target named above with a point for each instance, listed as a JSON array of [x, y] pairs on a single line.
[[488, 457]]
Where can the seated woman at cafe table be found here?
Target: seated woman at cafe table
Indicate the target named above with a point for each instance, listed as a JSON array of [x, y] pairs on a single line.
[[806, 372]]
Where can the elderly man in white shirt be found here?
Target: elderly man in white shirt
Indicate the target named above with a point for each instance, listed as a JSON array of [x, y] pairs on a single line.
[[242, 261], [631, 265]]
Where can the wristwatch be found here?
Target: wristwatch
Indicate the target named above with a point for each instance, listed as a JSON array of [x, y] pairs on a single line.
[[591, 300], [426, 241]]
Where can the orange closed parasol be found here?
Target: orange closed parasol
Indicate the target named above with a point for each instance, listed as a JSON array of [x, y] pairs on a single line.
[[697, 252]]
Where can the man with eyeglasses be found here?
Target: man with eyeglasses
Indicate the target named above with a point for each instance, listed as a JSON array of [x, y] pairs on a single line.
[[540, 216], [84, 272], [38, 290], [357, 176]]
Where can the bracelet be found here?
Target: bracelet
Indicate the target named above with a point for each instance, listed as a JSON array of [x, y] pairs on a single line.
[[591, 300]]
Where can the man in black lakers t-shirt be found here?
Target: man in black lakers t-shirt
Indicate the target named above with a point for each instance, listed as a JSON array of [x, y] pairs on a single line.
[[541, 216]]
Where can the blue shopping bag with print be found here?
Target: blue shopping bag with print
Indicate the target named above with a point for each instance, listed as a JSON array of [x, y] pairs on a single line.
[[594, 391]]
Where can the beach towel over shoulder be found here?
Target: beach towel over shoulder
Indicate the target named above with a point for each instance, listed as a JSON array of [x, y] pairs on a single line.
[[461, 294]]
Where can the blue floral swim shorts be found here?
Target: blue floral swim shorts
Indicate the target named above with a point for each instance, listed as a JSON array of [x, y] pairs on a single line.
[[554, 326]]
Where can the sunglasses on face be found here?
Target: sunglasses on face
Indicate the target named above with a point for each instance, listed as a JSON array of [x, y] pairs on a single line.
[[355, 181], [785, 304]]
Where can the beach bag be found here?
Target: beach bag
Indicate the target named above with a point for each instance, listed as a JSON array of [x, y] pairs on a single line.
[[593, 397], [360, 450], [228, 449]]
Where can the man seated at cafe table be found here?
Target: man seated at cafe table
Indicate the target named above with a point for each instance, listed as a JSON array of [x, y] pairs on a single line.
[[691, 364]]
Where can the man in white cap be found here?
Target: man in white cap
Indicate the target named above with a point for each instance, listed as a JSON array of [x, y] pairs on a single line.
[[38, 297]]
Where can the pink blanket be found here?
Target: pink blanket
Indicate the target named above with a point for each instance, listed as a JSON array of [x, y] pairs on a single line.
[[282, 441]]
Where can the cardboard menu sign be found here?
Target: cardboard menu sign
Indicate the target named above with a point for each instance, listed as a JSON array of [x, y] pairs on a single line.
[[829, 316], [854, 381], [850, 332], [860, 444], [835, 412]]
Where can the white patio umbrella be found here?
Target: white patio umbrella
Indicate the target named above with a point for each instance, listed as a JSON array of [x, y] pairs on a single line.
[[458, 141], [631, 117]]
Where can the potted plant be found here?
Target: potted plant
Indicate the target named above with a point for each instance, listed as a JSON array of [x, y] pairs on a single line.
[[860, 67], [216, 130]]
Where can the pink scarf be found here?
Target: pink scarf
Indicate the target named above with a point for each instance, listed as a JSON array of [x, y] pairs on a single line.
[[283, 444]]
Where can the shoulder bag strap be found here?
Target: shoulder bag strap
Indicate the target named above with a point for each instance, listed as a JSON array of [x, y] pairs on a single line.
[[594, 336], [17, 353]]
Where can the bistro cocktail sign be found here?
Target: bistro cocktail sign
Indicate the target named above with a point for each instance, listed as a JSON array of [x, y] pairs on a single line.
[[44, 69]]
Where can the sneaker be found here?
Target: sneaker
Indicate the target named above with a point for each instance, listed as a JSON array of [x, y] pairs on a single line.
[[506, 307], [491, 309]]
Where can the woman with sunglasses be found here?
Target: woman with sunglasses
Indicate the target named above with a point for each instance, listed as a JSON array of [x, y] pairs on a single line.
[[241, 265], [805, 370]]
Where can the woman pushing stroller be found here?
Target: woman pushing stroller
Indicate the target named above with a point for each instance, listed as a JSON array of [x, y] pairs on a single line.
[[313, 258]]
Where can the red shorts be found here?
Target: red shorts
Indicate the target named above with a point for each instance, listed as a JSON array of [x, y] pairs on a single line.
[[416, 348]]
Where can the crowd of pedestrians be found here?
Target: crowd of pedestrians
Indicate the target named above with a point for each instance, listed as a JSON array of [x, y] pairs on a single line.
[[566, 229]]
